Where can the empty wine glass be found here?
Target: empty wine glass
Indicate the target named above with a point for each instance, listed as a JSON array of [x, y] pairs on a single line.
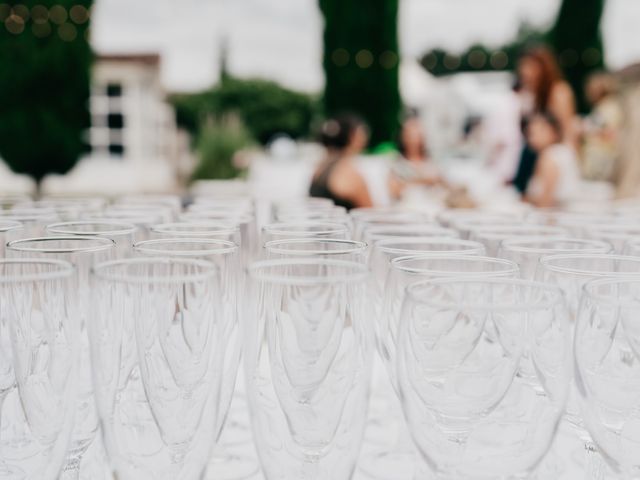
[[364, 222], [121, 233], [282, 231], [492, 236], [33, 223], [39, 355], [616, 234], [307, 356], [483, 371], [373, 234], [215, 230], [81, 251], [571, 272], [328, 248], [9, 230], [161, 424], [527, 251], [608, 370], [399, 461], [386, 250]]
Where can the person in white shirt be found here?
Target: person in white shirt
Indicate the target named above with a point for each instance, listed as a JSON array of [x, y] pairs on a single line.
[[556, 178]]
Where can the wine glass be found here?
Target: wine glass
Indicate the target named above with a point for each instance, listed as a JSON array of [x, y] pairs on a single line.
[[121, 233], [161, 424], [224, 254], [373, 234], [491, 236], [571, 272], [39, 355], [214, 230], [282, 231], [527, 251], [483, 370], [9, 230], [328, 248], [307, 357], [399, 460], [81, 251], [608, 370], [616, 234]]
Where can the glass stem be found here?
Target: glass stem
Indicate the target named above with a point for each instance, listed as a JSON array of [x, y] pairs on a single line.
[[594, 466]]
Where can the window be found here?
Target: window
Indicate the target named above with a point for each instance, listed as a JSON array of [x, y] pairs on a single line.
[[115, 121], [108, 122]]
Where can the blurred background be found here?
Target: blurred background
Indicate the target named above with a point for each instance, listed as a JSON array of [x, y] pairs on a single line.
[[122, 96]]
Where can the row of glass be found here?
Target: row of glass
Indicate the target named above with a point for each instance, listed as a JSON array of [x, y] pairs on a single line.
[[134, 329]]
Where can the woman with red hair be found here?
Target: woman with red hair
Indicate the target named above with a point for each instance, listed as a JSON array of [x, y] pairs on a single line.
[[543, 89]]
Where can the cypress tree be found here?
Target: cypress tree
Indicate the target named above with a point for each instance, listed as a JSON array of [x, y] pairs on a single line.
[[45, 61], [361, 61]]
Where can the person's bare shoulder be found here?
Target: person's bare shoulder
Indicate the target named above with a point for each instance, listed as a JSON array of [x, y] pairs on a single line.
[[346, 179]]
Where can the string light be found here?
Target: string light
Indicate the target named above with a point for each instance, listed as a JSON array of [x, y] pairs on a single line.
[[67, 32], [451, 62], [14, 24], [388, 59], [477, 59], [58, 14], [340, 57], [364, 58], [499, 60]]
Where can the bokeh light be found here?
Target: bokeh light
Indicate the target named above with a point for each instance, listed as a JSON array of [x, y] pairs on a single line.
[[591, 57], [569, 58], [40, 14], [340, 57], [499, 60], [5, 11], [58, 14], [364, 58], [451, 62], [388, 59], [79, 14], [41, 30], [22, 11], [14, 24], [67, 32], [477, 59]]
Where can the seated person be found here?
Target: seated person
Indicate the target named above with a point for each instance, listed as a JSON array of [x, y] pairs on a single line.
[[556, 177], [337, 177], [414, 166]]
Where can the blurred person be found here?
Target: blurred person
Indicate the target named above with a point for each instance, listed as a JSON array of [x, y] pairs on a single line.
[[542, 88], [556, 178], [413, 165], [337, 177], [601, 128]]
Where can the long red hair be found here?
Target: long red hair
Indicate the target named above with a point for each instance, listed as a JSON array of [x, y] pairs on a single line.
[[550, 74]]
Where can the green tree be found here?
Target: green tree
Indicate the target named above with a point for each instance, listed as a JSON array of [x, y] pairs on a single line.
[[45, 61], [264, 107], [361, 63]]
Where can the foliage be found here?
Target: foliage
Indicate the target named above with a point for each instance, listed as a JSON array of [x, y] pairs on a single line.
[[45, 62], [575, 36], [361, 63], [264, 107], [218, 144]]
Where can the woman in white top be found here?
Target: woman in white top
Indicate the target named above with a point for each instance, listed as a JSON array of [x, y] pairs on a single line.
[[556, 178]]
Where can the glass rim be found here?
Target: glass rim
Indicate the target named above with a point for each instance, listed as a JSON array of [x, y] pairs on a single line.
[[473, 246], [228, 246], [545, 260], [66, 270], [513, 244], [409, 227], [275, 246], [9, 225], [103, 244], [361, 272], [512, 266], [66, 228], [280, 228], [99, 271], [170, 228], [557, 297], [500, 230], [233, 218], [589, 287]]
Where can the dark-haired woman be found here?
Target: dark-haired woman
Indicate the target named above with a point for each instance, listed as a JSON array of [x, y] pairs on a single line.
[[556, 177], [542, 88], [337, 177], [414, 167]]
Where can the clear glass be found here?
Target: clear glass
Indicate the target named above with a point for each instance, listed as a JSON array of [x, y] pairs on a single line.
[[328, 248], [283, 231], [467, 225], [364, 222], [616, 234], [39, 348], [399, 461], [632, 247], [33, 223], [214, 230], [449, 218], [608, 370], [157, 353], [246, 223], [9, 230], [492, 236], [386, 250], [483, 371], [121, 233], [307, 357], [373, 234], [527, 251], [83, 252]]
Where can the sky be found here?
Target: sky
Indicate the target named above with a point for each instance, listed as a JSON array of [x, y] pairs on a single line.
[[282, 39]]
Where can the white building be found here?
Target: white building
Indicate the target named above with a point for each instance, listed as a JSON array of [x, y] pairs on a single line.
[[134, 142]]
